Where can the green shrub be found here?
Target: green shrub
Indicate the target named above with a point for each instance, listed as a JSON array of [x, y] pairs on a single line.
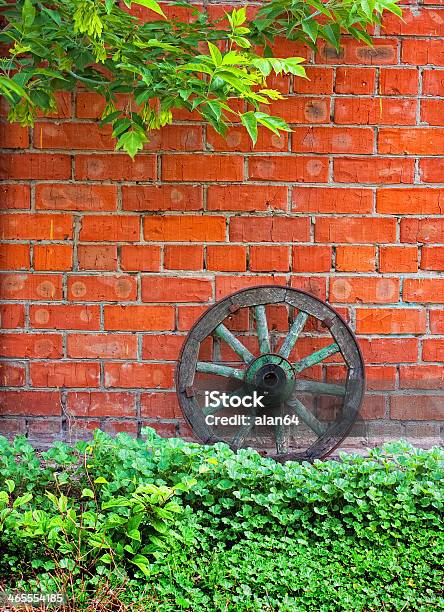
[[168, 525]]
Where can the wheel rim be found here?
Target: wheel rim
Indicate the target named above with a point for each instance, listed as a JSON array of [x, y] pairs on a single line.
[[264, 358]]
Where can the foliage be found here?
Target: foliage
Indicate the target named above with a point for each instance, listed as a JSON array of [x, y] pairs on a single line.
[[167, 525], [157, 66]]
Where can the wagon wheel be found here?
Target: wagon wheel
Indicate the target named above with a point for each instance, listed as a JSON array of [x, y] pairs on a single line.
[[287, 348]]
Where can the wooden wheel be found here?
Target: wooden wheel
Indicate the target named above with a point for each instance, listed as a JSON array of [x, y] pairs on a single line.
[[287, 348]]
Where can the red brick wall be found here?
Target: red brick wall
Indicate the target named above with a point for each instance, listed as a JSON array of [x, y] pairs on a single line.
[[106, 263]]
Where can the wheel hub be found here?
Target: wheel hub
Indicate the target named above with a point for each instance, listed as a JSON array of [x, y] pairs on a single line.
[[272, 375]]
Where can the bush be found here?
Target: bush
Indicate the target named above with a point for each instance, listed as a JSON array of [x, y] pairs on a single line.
[[163, 525]]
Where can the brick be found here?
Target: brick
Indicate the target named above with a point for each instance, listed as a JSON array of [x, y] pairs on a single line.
[[373, 170], [12, 316], [174, 289], [100, 404], [103, 257], [432, 82], [202, 168], [269, 229], [229, 284], [176, 138], [355, 258], [139, 318], [298, 109], [63, 104], [35, 166], [380, 377], [437, 321], [422, 230], [310, 284], [416, 21], [102, 346], [44, 430], [366, 290], [64, 374], [390, 321], [140, 258], [76, 197], [175, 228], [139, 375], [30, 287], [355, 80], [115, 167], [389, 350], [12, 427], [237, 139], [355, 229], [432, 258], [14, 257], [64, 316], [332, 139], [412, 141], [421, 52], [160, 405], [398, 259], [375, 111], [52, 257], [12, 374], [162, 197], [319, 81], [432, 170], [183, 257], [188, 315], [432, 112], [73, 136], [30, 403], [269, 259], [91, 105], [433, 349], [383, 52], [120, 228], [115, 427], [248, 198], [425, 290], [227, 258], [161, 347], [417, 407], [26, 226], [373, 407], [102, 288], [421, 377], [15, 196], [13, 136], [289, 168], [398, 81], [311, 259], [332, 200], [44, 346]]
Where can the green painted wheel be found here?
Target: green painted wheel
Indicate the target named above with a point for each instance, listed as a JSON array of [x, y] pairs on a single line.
[[272, 368]]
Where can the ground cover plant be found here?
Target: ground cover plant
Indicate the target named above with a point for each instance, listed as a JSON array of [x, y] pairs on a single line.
[[162, 524], [146, 68]]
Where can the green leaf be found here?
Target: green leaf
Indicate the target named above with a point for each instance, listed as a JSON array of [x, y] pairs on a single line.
[[249, 120], [28, 14], [87, 493], [23, 499], [152, 5], [310, 27], [142, 563], [131, 142], [275, 124], [10, 485], [216, 55], [7, 84], [100, 480]]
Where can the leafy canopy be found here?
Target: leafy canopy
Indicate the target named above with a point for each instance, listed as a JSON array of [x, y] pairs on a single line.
[[198, 64]]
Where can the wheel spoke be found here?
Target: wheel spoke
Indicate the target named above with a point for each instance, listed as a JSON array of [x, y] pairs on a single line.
[[306, 416], [316, 357], [222, 332], [318, 388], [242, 432], [293, 334], [220, 370], [262, 329]]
